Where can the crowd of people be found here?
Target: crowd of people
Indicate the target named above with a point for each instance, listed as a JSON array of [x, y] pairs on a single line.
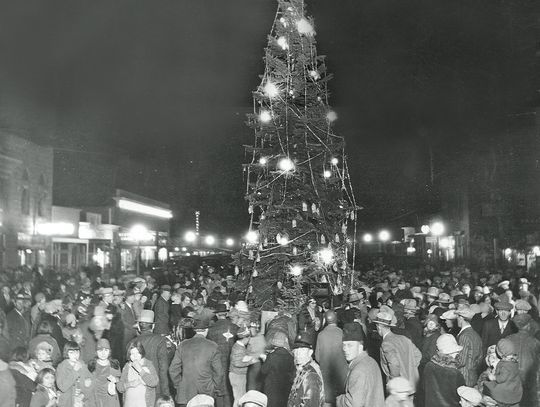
[[400, 338]]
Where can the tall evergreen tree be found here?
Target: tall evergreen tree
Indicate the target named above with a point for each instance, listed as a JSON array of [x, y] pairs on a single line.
[[301, 203]]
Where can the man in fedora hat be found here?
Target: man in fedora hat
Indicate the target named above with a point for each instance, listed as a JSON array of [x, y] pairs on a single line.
[[307, 389], [18, 322], [223, 333], [364, 386], [196, 366], [155, 346], [399, 356], [161, 311], [128, 314], [413, 326], [471, 356]]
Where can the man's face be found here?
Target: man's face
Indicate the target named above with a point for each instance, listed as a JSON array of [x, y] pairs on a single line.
[[166, 295], [19, 305], [108, 298], [503, 314], [524, 287], [186, 302], [465, 403], [302, 356], [312, 304], [351, 349]]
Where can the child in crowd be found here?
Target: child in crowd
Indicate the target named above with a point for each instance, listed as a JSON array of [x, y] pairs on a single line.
[[106, 373], [400, 392], [45, 394], [504, 385], [73, 379]]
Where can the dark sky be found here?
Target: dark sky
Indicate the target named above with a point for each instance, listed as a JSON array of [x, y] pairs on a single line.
[[168, 83]]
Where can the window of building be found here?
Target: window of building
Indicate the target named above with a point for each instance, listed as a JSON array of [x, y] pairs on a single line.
[[25, 195], [42, 196]]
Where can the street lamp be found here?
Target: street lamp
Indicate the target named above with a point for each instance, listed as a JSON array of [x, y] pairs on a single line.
[[210, 240], [437, 229], [229, 242], [190, 236], [384, 235], [138, 233]]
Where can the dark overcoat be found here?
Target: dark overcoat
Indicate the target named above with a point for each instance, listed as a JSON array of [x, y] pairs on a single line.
[[196, 368], [278, 372]]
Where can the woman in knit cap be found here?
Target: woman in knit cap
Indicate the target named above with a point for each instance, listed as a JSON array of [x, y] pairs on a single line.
[[504, 385], [278, 371], [442, 376]]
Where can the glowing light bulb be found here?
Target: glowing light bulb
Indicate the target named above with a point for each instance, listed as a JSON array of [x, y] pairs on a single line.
[[327, 174], [304, 27], [263, 160], [326, 255], [286, 164], [315, 75], [282, 42], [334, 161], [368, 238], [271, 90], [252, 237], [296, 270], [265, 116], [331, 116], [229, 242]]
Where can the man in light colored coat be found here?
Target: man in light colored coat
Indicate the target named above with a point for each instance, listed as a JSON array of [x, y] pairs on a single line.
[[329, 355], [363, 386], [399, 356], [196, 367]]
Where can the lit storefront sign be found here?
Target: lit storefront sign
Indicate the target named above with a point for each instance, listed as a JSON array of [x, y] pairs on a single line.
[[55, 229], [133, 206]]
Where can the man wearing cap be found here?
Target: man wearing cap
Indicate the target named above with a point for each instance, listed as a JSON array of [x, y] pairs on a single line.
[[161, 311], [196, 366], [469, 397], [200, 400], [413, 326], [471, 356], [363, 386], [329, 355], [155, 347], [239, 362], [399, 356], [500, 327], [528, 351], [107, 296], [253, 398], [18, 322], [223, 333], [307, 389], [442, 376]]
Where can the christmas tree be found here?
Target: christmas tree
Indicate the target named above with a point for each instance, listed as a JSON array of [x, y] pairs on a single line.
[[301, 204]]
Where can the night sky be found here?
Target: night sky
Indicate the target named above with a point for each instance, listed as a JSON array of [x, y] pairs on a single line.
[[167, 84]]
